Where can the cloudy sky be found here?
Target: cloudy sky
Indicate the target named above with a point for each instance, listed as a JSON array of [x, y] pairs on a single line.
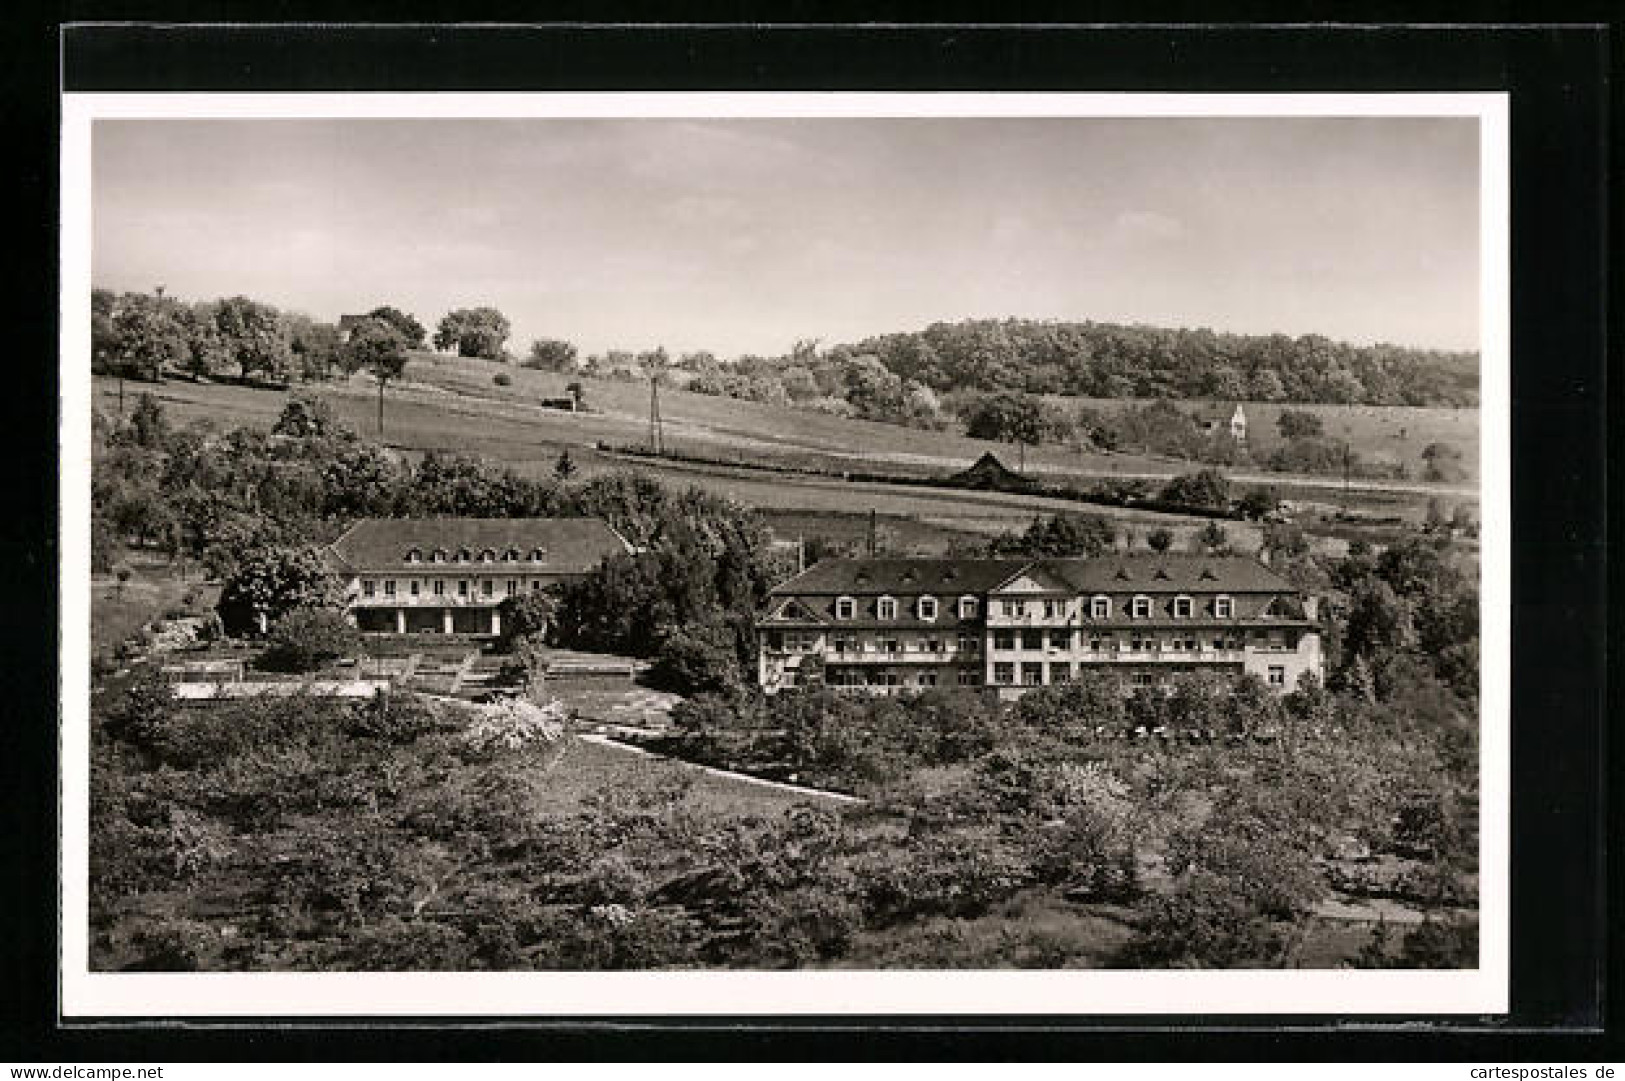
[[744, 235]]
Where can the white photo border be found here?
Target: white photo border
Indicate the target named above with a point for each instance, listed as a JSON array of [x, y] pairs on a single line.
[[84, 994]]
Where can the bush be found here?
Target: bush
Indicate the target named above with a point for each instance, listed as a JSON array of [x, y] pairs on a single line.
[[307, 638], [502, 379], [699, 658], [512, 725], [1205, 488]]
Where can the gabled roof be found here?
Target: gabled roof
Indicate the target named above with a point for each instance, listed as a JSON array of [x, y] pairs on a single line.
[[1112, 573], [905, 577], [1170, 573], [987, 472], [573, 545]]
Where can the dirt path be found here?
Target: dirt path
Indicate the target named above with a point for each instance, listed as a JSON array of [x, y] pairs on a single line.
[[744, 778]]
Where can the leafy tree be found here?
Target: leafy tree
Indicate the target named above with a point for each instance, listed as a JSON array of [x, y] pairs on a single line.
[[1007, 418], [360, 480], [306, 417], [1160, 539], [1213, 538], [378, 347], [473, 332], [1295, 424], [270, 583], [699, 658], [1284, 543], [1379, 622], [1443, 463], [1258, 502], [551, 355], [874, 390], [147, 336], [253, 335], [317, 348], [149, 426], [565, 467], [526, 615], [1059, 535], [1204, 488], [411, 331], [1266, 386], [305, 639]]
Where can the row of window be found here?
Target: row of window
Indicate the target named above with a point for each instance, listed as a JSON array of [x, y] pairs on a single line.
[[886, 608], [437, 587], [850, 643], [1105, 643], [1139, 607], [469, 555], [1032, 674], [1100, 607], [858, 677], [1026, 639]]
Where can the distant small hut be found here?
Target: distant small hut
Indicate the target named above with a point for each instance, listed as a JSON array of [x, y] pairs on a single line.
[[987, 473]]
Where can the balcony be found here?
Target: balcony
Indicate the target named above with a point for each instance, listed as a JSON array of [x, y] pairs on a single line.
[[1164, 656], [897, 656], [425, 600]]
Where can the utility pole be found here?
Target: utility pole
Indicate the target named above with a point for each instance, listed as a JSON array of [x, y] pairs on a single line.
[[656, 428]]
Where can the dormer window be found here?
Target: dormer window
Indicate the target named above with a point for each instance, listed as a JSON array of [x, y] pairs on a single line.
[[414, 556], [1140, 607], [1183, 607], [463, 555], [510, 555], [488, 555], [1123, 575], [1161, 575], [1207, 575], [1224, 607], [438, 556], [886, 608], [968, 607], [846, 608], [538, 555], [1100, 607], [927, 608]]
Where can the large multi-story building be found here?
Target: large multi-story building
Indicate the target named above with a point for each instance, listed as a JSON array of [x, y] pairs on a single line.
[[448, 575], [892, 625]]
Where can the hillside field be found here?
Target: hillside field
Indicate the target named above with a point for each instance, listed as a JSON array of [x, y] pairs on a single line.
[[453, 405]]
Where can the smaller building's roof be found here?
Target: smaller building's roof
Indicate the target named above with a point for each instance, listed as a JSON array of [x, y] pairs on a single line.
[[573, 545], [988, 472]]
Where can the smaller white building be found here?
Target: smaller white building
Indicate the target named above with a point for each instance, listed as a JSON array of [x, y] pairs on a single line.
[[449, 575]]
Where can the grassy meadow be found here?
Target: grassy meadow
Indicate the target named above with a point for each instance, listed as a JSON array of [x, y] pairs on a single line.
[[452, 404]]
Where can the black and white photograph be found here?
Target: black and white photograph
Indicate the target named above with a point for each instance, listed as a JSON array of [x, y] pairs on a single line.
[[693, 553]]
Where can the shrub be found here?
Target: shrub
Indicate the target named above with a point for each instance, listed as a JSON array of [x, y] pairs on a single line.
[[403, 718], [962, 873], [699, 658], [512, 725], [1204, 488], [616, 937], [307, 638], [502, 379]]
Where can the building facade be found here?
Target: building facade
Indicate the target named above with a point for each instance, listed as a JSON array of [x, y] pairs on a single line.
[[1231, 421], [894, 625], [449, 575]]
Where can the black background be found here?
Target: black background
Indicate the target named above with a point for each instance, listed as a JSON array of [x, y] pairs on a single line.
[[1560, 247]]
